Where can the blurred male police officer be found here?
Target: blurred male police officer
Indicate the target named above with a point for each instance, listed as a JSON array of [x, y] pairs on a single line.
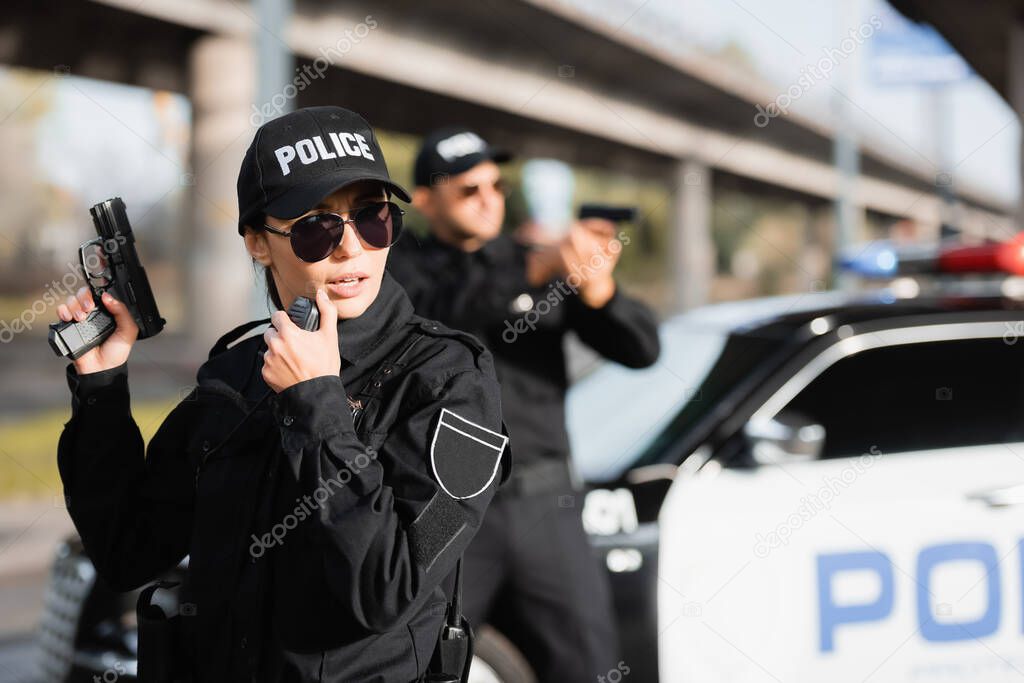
[[529, 571]]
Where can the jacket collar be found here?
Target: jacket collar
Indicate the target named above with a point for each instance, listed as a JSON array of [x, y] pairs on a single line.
[[359, 337]]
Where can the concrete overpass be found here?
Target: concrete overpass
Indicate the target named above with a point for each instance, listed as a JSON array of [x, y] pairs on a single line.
[[991, 39], [531, 74], [985, 38]]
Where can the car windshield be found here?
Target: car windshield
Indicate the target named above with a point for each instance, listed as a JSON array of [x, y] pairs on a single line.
[[615, 415]]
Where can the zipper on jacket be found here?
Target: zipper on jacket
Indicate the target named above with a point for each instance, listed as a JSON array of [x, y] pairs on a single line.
[[206, 454]]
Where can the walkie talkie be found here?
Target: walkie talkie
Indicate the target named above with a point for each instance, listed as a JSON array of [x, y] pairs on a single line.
[[305, 314]]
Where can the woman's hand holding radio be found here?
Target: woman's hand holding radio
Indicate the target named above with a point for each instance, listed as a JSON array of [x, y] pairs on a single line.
[[294, 355]]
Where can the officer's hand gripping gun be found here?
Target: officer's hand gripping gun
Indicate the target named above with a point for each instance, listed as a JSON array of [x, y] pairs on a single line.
[[121, 272]]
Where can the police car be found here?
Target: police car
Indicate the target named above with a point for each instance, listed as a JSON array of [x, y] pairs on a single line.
[[821, 487]]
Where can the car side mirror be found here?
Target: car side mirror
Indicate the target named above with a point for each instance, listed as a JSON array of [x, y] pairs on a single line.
[[788, 437]]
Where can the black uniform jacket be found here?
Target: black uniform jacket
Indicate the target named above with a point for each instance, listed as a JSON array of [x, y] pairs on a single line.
[[313, 556], [487, 294]]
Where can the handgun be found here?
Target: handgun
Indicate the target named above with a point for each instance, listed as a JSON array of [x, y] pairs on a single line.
[[615, 214], [122, 274]]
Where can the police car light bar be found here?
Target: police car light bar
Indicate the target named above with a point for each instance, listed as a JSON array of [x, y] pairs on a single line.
[[883, 259]]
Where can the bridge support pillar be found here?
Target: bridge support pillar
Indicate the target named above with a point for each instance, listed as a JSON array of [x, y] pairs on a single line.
[[219, 273], [692, 251]]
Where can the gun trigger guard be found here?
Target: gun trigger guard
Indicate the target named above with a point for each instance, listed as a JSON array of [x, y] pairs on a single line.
[[90, 276]]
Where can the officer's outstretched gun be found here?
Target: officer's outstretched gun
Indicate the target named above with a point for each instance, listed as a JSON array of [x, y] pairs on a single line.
[[615, 214], [108, 262]]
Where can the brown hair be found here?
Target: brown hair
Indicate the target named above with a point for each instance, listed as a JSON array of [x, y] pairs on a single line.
[[268, 277]]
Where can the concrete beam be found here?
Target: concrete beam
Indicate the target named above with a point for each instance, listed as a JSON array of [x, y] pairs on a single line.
[[96, 41], [528, 85]]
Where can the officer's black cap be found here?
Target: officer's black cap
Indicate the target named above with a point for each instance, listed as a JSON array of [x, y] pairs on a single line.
[[450, 151], [296, 160]]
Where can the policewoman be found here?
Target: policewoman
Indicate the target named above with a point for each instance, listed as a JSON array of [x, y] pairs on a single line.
[[322, 483]]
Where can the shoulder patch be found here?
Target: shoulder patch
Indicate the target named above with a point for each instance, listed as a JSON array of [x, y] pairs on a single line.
[[464, 455]]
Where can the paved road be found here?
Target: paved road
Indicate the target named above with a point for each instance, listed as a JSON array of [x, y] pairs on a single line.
[[21, 598], [29, 534], [18, 660]]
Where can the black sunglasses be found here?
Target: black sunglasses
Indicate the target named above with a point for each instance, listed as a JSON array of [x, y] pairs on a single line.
[[499, 186], [314, 237]]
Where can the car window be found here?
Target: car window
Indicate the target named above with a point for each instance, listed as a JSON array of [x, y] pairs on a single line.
[[620, 418], [615, 412], [919, 396]]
